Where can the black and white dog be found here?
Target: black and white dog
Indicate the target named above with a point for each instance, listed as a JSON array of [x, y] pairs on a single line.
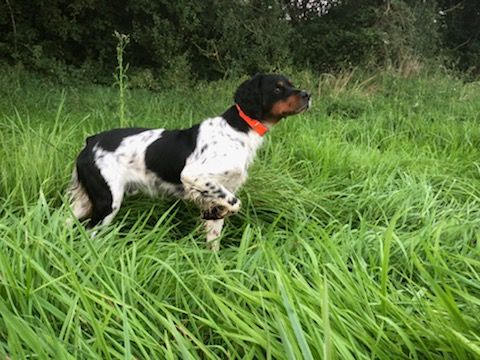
[[206, 163]]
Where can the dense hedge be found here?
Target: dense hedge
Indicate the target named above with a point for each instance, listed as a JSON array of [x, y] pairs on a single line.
[[461, 33], [181, 40]]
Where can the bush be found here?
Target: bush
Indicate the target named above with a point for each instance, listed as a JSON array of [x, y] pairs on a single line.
[[364, 32], [182, 41]]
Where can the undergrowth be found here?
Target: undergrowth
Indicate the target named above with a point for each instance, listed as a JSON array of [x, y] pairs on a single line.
[[358, 236]]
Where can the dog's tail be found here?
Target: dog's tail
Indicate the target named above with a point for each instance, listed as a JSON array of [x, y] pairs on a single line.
[[80, 203]]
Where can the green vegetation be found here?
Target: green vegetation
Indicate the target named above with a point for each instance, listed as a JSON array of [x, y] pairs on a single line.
[[176, 42], [358, 237]]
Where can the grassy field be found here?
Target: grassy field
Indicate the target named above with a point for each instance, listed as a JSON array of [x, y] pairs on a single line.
[[358, 238]]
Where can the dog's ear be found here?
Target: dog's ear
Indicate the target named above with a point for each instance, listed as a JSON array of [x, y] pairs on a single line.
[[250, 98]]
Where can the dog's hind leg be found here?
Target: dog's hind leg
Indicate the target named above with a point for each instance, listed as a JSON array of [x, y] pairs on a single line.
[[107, 205], [117, 197], [104, 192], [80, 203]]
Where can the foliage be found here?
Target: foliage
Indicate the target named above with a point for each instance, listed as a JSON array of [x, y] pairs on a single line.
[[121, 78], [172, 40], [245, 38], [461, 34], [177, 42], [364, 32]]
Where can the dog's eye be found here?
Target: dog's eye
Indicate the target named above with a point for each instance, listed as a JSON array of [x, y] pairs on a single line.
[[277, 90]]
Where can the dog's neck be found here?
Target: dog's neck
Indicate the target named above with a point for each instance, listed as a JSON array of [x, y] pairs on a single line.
[[249, 137], [234, 119]]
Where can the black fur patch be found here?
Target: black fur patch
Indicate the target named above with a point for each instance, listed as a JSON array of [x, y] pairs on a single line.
[[166, 156], [110, 140], [249, 96], [215, 213], [233, 201], [95, 185], [235, 121]]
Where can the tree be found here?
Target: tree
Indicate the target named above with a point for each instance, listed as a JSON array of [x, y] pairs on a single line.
[[461, 32]]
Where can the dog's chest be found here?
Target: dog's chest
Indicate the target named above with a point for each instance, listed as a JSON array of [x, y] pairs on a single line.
[[225, 152]]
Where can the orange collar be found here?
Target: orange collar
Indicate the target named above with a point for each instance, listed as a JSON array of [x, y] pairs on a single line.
[[256, 125]]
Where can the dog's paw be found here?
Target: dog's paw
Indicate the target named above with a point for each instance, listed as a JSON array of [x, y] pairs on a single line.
[[233, 205], [214, 213], [222, 209]]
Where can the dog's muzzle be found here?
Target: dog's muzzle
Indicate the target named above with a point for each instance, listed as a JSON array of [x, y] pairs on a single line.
[[306, 99]]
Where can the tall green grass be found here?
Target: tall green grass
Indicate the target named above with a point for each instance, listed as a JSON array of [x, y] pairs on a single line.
[[358, 237]]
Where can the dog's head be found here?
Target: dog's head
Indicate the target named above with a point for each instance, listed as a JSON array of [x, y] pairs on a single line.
[[271, 97]]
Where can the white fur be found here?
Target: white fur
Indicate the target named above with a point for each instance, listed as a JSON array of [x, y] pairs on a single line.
[[224, 162], [213, 229]]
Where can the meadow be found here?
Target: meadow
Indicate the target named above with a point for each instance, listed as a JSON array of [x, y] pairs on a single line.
[[358, 237]]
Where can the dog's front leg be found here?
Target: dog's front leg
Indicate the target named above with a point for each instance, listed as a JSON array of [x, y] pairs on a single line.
[[213, 228], [215, 201]]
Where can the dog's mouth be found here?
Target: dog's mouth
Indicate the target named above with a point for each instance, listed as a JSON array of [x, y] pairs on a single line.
[[299, 110], [304, 107], [291, 106]]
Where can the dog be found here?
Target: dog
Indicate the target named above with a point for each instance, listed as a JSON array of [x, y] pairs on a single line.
[[206, 163]]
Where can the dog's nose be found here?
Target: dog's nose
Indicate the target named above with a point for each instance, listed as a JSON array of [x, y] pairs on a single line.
[[305, 95]]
